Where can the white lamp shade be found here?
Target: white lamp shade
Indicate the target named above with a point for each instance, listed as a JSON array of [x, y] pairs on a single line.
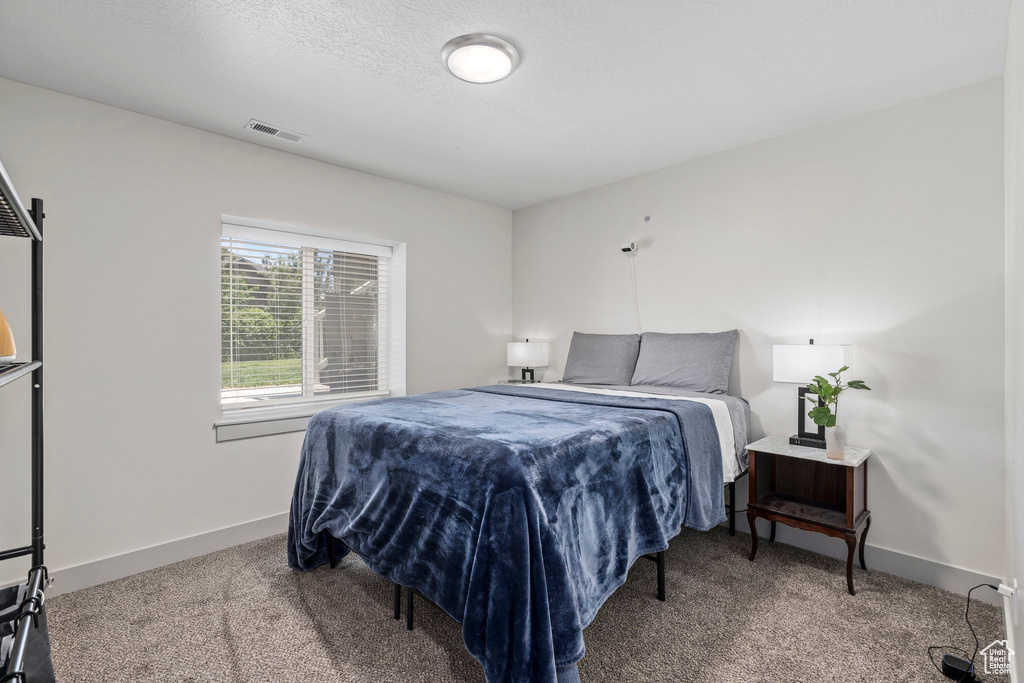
[[800, 363], [528, 354]]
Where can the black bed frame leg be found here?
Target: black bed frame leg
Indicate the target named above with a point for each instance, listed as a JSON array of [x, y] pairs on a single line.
[[398, 601], [408, 607], [732, 508], [661, 575], [332, 551]]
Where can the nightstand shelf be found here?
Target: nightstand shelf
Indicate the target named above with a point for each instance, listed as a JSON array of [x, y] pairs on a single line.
[[798, 507], [802, 488]]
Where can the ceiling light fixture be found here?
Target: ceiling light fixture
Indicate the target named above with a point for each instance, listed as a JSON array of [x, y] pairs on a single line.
[[479, 58]]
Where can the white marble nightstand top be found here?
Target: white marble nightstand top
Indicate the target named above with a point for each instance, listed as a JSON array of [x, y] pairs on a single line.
[[780, 445]]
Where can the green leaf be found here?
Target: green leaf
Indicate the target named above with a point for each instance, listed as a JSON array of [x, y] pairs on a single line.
[[821, 415], [835, 375], [830, 421], [858, 384]]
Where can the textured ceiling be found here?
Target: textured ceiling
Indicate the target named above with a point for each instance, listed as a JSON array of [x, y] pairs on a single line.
[[607, 89]]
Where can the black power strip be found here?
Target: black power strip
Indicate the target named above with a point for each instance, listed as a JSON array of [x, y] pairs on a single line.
[[958, 669]]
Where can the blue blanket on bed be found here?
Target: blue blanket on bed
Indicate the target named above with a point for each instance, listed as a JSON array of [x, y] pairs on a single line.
[[517, 510]]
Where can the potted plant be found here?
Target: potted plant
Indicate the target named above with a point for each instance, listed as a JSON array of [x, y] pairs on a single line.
[[827, 392]]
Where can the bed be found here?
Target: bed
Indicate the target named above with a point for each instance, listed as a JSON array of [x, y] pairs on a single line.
[[519, 510]]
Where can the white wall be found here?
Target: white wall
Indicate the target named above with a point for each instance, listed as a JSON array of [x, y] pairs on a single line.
[[1014, 159], [903, 206], [132, 319], [883, 231]]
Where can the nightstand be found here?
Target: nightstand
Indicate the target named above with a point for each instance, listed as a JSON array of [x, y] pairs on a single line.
[[802, 488], [519, 381]]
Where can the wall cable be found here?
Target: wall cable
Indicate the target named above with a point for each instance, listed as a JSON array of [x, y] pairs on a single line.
[[636, 304]]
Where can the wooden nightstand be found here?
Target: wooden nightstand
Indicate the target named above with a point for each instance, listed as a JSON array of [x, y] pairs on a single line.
[[802, 488]]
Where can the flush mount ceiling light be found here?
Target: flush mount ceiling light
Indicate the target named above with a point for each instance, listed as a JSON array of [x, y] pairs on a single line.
[[479, 58]]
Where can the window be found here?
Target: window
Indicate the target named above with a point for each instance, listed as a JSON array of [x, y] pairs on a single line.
[[304, 318]]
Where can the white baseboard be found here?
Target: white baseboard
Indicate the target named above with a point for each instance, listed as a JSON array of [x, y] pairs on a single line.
[[77, 577], [930, 572]]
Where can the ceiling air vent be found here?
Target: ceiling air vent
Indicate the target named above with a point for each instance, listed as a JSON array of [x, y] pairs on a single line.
[[267, 129]]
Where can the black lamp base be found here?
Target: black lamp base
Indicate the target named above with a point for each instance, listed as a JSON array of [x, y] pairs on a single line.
[[815, 439], [808, 441], [528, 371]]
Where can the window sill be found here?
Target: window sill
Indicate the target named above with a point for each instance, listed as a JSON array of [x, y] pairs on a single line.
[[247, 423]]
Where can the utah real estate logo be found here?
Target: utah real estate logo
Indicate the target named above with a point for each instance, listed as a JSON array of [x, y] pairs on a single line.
[[998, 657]]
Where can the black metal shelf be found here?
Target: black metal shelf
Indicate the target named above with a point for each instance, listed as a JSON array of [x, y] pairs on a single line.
[[17, 221], [9, 373]]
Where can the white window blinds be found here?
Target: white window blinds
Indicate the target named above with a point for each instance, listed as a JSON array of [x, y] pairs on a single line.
[[303, 318]]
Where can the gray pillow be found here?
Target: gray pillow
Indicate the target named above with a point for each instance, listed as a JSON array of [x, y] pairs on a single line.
[[601, 358], [698, 362]]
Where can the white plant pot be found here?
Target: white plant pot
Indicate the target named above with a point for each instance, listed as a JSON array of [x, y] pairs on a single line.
[[835, 442]]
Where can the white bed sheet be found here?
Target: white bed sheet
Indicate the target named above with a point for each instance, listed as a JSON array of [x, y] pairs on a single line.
[[719, 410]]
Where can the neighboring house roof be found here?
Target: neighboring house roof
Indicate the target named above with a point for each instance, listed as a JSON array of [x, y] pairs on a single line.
[[254, 274]]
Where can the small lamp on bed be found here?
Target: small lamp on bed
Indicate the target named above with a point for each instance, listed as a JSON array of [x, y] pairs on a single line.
[[527, 355], [799, 364]]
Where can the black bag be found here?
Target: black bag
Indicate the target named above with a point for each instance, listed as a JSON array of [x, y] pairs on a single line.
[[38, 665]]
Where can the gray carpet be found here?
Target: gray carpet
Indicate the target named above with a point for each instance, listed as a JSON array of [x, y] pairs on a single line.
[[242, 615]]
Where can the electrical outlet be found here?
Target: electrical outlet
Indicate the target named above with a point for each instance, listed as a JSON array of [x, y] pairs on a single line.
[[1011, 593]]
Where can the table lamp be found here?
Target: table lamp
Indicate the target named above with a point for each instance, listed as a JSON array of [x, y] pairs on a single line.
[[800, 364], [527, 355]]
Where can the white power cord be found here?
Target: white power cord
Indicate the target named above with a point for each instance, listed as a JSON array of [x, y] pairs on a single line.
[[636, 305]]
